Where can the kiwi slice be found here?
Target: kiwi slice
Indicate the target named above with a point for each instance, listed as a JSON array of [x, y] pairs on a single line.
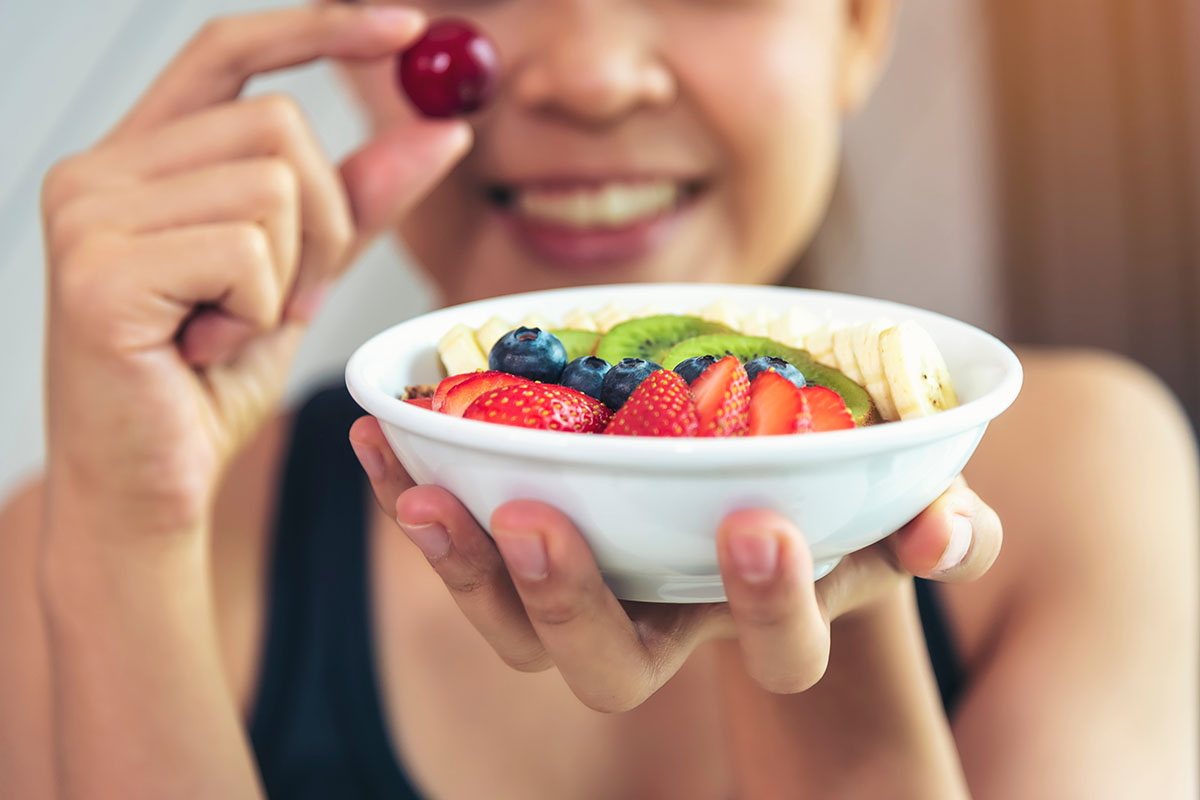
[[748, 348], [650, 338], [578, 343]]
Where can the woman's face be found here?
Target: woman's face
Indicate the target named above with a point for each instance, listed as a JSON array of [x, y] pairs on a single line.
[[641, 140]]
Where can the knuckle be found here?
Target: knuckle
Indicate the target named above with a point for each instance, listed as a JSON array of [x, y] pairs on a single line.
[[536, 660], [554, 610], [220, 44], [280, 114], [467, 582], [761, 616], [250, 244], [275, 181], [213, 34], [67, 226], [64, 180]]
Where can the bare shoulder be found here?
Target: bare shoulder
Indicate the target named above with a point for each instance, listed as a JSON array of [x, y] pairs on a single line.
[[1093, 472], [1092, 435]]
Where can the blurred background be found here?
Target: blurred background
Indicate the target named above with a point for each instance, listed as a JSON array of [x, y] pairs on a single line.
[[1032, 167]]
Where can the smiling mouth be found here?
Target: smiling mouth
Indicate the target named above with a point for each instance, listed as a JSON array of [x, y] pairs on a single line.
[[594, 206]]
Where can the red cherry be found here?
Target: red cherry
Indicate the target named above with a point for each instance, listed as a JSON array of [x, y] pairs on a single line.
[[451, 70]]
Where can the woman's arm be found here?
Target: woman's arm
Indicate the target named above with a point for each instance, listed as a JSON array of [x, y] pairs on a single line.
[[1084, 666], [141, 702], [26, 738], [185, 253], [242, 516], [872, 727]]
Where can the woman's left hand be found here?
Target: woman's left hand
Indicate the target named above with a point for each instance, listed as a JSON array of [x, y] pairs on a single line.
[[536, 595]]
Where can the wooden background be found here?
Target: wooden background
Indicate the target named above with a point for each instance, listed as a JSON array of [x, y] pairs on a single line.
[[1097, 135]]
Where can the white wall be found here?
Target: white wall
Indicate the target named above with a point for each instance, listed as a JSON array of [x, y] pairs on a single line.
[[81, 63], [919, 222], [920, 230]]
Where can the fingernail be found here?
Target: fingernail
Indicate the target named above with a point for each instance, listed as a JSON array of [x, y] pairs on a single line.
[[431, 539], [398, 18], [755, 556], [960, 543], [369, 457], [525, 555]]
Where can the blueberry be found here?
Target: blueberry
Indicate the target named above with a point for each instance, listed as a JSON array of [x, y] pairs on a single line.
[[693, 368], [530, 353], [784, 368], [585, 374], [625, 376]]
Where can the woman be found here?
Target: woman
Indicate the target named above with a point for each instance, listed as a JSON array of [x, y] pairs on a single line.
[[189, 247]]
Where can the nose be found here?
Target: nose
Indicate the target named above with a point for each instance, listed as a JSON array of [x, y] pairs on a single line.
[[594, 61]]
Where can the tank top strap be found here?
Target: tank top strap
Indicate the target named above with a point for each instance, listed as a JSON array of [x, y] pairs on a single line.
[[318, 728], [943, 655]]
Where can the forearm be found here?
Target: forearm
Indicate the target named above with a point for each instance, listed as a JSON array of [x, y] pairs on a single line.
[[872, 727], [141, 704]]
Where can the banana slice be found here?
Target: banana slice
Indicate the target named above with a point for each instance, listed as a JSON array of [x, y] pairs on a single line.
[[612, 314], [793, 328], [819, 342], [843, 353], [756, 323], [722, 311], [579, 320], [460, 352], [491, 332], [537, 321], [870, 364], [916, 371]]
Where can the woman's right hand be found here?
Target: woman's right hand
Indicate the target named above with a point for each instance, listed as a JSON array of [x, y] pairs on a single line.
[[187, 250]]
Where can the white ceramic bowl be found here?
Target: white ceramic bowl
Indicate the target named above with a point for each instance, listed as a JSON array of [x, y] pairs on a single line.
[[649, 507]]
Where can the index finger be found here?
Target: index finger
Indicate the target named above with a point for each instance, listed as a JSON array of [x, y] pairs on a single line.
[[228, 51]]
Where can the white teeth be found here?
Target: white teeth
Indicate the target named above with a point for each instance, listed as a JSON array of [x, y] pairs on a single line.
[[611, 205]]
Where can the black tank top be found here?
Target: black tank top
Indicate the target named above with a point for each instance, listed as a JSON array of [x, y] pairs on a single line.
[[318, 727]]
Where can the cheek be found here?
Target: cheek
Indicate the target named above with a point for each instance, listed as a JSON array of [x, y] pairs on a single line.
[[771, 101]]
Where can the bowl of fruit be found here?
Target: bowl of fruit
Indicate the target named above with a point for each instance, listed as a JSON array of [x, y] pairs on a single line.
[[647, 412]]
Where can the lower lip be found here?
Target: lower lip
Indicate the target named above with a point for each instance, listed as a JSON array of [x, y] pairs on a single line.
[[581, 249]]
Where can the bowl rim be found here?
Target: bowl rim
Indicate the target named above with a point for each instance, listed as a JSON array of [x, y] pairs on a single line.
[[680, 455]]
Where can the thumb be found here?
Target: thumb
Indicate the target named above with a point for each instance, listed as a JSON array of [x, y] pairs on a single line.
[[389, 174], [388, 478]]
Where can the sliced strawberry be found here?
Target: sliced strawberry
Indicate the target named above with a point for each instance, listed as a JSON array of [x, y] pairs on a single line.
[[660, 406], [777, 407], [461, 396], [543, 406], [722, 395], [443, 388], [422, 402], [829, 412]]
